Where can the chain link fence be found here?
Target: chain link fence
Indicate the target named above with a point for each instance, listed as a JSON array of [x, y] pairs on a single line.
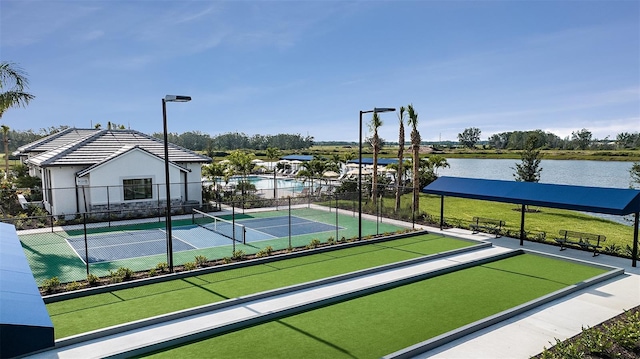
[[120, 244]]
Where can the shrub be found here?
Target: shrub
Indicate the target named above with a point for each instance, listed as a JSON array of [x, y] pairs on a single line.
[[626, 332], [238, 255], [331, 240], [50, 285], [264, 252], [74, 286], [125, 273], [313, 244], [190, 266], [92, 279], [152, 272], [200, 261], [162, 267], [612, 249], [114, 277], [226, 260]]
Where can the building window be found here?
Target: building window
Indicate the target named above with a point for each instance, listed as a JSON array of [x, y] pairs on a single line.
[[137, 189]]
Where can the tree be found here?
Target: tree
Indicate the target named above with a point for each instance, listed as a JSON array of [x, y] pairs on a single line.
[[429, 168], [13, 82], [374, 125], [273, 153], [528, 170], [581, 139], [241, 164], [469, 137], [635, 174], [400, 170], [415, 147]]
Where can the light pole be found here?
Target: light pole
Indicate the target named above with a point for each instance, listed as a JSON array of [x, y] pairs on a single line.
[[169, 98], [375, 110]]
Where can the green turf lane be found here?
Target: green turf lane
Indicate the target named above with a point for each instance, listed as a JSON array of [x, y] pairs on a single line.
[[381, 323], [80, 315]]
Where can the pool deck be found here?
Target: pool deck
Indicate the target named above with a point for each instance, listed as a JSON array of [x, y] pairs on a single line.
[[519, 337]]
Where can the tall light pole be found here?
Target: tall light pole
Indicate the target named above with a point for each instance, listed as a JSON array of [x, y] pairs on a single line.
[[375, 110], [169, 98]]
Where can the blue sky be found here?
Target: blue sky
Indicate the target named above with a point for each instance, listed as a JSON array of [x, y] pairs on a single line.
[[309, 67]]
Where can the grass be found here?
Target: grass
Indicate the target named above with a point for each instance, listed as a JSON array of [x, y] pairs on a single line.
[[102, 310], [381, 323], [547, 220]]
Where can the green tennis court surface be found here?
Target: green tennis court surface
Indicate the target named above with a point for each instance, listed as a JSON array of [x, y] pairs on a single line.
[[378, 324], [80, 315], [142, 246]]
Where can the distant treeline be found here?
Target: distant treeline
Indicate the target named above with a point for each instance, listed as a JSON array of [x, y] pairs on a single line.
[[582, 140], [198, 141]]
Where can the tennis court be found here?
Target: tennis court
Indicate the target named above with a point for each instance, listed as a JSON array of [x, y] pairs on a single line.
[[210, 231], [141, 245]]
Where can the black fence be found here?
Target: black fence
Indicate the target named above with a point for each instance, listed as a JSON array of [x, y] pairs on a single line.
[[113, 246]]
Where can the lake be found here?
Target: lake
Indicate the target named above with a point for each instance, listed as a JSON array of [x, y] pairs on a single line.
[[613, 174], [580, 173]]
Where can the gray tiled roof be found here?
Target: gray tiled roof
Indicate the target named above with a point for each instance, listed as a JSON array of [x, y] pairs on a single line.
[[102, 144], [55, 140]]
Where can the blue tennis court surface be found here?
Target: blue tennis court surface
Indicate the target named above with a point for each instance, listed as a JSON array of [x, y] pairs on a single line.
[[123, 245], [279, 226]]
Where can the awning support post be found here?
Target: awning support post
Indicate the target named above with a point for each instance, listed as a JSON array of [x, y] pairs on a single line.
[[634, 252], [441, 212], [523, 210]]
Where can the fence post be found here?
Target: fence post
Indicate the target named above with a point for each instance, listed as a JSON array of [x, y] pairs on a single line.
[[289, 222], [233, 226], [86, 244], [51, 220], [336, 195]]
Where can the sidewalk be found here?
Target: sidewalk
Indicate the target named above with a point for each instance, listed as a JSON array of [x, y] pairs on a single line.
[[520, 337]]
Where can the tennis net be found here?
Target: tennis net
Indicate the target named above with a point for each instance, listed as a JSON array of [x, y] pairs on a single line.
[[224, 227]]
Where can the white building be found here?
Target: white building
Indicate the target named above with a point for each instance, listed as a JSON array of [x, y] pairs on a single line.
[[92, 170]]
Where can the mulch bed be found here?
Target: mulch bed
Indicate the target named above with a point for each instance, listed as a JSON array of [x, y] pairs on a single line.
[[616, 351]]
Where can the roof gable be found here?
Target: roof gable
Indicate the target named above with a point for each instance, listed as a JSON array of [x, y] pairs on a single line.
[[100, 146], [121, 152], [615, 201]]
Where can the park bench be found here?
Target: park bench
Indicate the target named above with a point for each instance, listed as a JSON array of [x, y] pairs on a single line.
[[586, 241], [489, 225]]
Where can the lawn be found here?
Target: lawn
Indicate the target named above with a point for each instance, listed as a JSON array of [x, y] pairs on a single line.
[[80, 315], [382, 323], [461, 211]]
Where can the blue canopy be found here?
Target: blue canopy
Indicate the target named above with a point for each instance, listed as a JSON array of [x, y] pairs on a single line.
[[615, 201], [303, 158], [381, 161]]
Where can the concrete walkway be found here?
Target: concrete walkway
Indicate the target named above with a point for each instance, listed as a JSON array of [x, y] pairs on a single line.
[[520, 337]]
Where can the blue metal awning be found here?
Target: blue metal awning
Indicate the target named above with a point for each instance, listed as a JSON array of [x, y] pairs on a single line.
[[381, 161], [615, 201]]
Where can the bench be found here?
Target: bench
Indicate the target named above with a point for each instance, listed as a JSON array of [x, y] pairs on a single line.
[[586, 241], [493, 226]]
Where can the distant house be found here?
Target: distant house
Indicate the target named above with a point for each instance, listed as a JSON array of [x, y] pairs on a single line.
[[92, 170]]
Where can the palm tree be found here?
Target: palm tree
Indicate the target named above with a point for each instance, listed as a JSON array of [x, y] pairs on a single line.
[[415, 146], [273, 153], [400, 157], [13, 81], [374, 125]]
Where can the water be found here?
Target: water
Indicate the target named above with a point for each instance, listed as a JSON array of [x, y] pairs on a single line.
[[612, 174], [266, 182]]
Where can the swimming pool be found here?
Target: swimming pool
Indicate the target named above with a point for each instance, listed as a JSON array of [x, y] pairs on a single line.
[[266, 182]]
